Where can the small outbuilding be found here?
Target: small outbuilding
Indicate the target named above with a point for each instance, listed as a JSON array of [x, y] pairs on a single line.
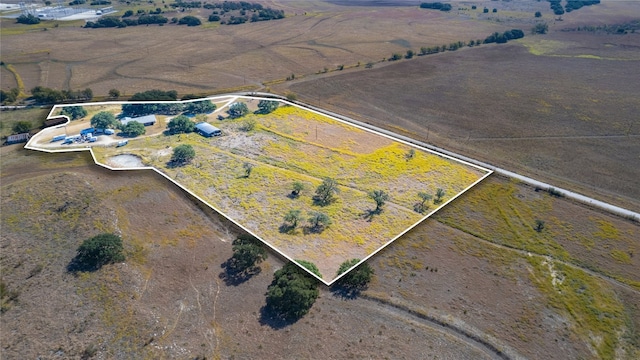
[[18, 138], [207, 130], [55, 121], [146, 120]]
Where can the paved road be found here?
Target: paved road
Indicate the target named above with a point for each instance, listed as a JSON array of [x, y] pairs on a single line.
[[566, 193]]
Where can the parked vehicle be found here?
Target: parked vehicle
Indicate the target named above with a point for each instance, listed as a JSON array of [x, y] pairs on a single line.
[[122, 143], [87, 131], [109, 131], [58, 138]]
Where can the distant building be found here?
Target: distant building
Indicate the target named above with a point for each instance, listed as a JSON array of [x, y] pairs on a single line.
[[18, 138], [147, 120], [208, 130]]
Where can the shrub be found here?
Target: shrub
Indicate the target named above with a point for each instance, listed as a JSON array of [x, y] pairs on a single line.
[[99, 250], [356, 278], [114, 93], [189, 21], [27, 19], [183, 154], [21, 127], [310, 266]]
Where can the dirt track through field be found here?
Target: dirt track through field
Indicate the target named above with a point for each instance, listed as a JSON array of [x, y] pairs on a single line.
[[405, 312], [604, 277]]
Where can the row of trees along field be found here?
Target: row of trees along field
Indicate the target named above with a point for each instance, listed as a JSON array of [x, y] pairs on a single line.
[[570, 5], [196, 107], [44, 95], [496, 37]]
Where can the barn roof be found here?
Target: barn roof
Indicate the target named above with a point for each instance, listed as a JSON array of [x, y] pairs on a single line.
[[207, 128], [141, 119]]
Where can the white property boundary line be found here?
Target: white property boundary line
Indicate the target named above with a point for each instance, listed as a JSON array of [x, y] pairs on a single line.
[[566, 193], [232, 98]]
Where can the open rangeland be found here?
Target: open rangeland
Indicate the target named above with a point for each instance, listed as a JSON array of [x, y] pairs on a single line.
[[294, 145], [315, 35], [560, 108], [476, 281], [445, 290]]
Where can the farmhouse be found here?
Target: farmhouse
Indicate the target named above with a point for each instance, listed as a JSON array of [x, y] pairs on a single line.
[[207, 130], [147, 120], [18, 138]]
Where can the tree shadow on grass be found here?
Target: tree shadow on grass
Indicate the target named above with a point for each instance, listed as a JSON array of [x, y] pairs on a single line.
[[313, 229], [274, 320], [233, 276], [287, 229], [347, 292], [369, 214], [77, 265]]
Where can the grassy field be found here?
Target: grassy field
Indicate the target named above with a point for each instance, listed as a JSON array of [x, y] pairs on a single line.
[[167, 300], [558, 107], [9, 118], [245, 55], [574, 126], [289, 145]]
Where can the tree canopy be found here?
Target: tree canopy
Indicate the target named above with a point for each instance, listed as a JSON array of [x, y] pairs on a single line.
[[99, 250], [358, 277], [183, 154], [380, 197], [247, 252], [44, 95], [155, 95], [190, 21], [74, 112], [310, 266], [104, 120], [291, 293], [133, 129], [237, 110], [292, 218], [181, 124], [351, 284], [267, 106], [325, 191], [318, 221], [199, 107]]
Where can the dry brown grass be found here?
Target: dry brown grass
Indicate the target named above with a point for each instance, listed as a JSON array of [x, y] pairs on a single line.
[[566, 119], [166, 301], [208, 59]]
